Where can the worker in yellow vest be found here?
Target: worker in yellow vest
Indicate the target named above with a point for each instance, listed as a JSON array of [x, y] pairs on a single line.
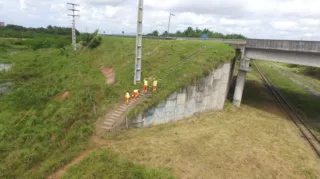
[[145, 85], [127, 97], [135, 93], [154, 84]]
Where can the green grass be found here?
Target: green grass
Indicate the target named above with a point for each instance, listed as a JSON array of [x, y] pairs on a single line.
[[307, 103], [104, 164], [310, 73], [40, 134]]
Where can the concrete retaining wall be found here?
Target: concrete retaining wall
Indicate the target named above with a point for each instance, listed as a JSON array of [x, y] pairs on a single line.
[[209, 94]]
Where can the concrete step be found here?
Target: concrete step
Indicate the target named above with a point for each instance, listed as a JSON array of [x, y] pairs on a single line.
[[118, 112], [107, 128], [112, 118], [116, 115], [108, 122], [123, 105]]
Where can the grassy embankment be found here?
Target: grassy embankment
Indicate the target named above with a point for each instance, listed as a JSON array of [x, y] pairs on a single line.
[[307, 104], [254, 141], [311, 72], [40, 134]]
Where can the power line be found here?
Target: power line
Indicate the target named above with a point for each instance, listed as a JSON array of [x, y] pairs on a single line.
[[73, 15]]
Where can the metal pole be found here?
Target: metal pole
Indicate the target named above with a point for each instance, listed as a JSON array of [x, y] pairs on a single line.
[[169, 23], [137, 72]]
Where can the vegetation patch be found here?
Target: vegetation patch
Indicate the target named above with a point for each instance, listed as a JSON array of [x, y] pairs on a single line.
[[41, 134], [104, 164]]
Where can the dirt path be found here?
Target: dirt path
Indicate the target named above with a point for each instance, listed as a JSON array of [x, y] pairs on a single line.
[[76, 160], [117, 113], [95, 142]]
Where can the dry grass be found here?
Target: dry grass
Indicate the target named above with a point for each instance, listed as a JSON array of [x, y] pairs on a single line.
[[245, 142]]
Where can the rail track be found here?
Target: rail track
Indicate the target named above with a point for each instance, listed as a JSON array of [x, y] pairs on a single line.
[[295, 117]]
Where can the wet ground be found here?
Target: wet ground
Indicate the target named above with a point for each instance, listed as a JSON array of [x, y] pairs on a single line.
[[4, 86]]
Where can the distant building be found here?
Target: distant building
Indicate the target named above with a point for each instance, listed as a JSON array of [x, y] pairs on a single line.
[[2, 24]]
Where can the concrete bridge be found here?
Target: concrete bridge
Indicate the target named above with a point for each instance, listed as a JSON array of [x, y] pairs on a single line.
[[286, 51]]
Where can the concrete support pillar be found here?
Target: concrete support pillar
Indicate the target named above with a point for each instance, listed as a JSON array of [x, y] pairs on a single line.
[[241, 79]]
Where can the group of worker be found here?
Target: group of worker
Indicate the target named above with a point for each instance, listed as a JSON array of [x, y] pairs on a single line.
[[135, 93]]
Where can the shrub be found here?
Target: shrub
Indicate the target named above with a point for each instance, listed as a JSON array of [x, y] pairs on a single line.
[[312, 71], [38, 43], [91, 40], [292, 65]]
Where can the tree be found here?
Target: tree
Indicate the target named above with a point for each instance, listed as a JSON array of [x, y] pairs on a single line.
[[190, 32], [164, 34], [179, 34], [155, 33]]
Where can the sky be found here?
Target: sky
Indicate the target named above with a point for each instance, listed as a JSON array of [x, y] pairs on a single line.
[[263, 19]]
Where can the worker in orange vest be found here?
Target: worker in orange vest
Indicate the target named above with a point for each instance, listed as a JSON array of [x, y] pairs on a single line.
[[145, 85], [127, 97], [154, 84], [135, 93]]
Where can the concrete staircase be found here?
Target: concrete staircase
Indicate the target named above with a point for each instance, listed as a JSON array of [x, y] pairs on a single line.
[[117, 115]]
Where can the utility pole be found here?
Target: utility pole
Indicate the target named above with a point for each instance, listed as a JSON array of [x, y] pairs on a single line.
[[169, 23], [74, 42], [137, 67]]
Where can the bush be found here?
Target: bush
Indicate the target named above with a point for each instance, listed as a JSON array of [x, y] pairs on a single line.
[[47, 43], [91, 40], [312, 71], [292, 65]]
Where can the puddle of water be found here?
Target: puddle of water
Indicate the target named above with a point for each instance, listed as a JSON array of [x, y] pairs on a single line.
[[4, 87], [12, 53], [5, 67]]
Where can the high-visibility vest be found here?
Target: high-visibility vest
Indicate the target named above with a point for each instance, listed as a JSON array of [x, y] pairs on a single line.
[[127, 95], [145, 82], [135, 91], [155, 82]]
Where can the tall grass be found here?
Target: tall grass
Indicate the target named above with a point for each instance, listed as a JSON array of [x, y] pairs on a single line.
[[104, 164]]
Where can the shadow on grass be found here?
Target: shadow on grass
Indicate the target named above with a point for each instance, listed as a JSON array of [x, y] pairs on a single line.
[[258, 95]]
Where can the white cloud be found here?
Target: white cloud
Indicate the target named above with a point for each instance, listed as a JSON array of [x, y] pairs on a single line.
[[232, 22], [284, 25], [281, 19]]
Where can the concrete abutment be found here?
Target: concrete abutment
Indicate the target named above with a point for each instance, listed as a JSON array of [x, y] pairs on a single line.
[[209, 94]]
